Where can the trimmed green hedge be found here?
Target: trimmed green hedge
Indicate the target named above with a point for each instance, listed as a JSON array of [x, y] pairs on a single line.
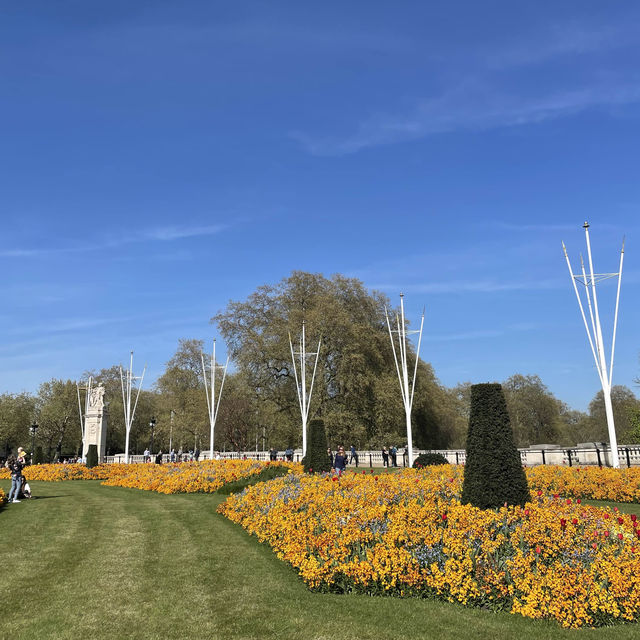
[[428, 459], [317, 459], [92, 456], [493, 473], [269, 473]]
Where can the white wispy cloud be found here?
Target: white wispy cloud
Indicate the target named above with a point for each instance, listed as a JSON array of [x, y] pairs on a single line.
[[153, 234], [471, 286], [19, 253], [479, 334], [485, 88], [473, 105], [557, 41], [175, 232]]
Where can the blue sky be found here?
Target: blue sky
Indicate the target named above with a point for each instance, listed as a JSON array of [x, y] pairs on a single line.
[[159, 159]]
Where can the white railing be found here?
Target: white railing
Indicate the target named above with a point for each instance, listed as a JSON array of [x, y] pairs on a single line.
[[599, 454]]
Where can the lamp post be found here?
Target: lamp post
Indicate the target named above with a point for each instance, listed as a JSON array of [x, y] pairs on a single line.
[[152, 424], [33, 429]]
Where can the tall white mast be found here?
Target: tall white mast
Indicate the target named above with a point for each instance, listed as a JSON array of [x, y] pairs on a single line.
[[127, 381], [304, 399], [407, 388], [594, 332], [210, 390]]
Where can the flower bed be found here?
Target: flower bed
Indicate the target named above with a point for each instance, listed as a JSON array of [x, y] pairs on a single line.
[[3, 498], [407, 534], [187, 477], [618, 485], [207, 476], [59, 472]]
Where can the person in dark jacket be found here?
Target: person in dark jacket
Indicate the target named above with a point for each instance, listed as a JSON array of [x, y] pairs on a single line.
[[15, 466], [385, 457], [340, 461], [159, 457]]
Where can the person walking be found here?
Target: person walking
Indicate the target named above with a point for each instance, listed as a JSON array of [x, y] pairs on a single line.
[[15, 467], [354, 455], [340, 461]]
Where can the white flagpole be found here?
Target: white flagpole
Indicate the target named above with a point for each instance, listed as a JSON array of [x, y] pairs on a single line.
[[127, 388], [304, 399], [615, 321], [596, 341], [407, 389], [213, 405]]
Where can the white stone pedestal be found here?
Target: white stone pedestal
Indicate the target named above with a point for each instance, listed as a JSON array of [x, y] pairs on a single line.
[[95, 424]]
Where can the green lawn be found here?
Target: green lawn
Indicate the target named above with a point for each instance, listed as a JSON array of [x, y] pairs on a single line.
[[86, 561]]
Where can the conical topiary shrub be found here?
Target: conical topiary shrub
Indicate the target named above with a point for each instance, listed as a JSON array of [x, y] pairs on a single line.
[[493, 472], [38, 456], [92, 456], [317, 458]]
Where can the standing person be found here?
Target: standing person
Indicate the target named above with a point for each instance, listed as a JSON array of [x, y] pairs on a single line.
[[159, 457], [394, 456], [172, 455], [340, 461], [385, 457], [289, 454], [354, 455], [147, 455], [330, 454], [15, 467], [196, 454]]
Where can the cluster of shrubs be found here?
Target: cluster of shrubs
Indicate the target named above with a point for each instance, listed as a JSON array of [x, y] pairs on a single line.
[[428, 459]]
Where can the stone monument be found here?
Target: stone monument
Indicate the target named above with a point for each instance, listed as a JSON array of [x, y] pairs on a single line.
[[95, 423]]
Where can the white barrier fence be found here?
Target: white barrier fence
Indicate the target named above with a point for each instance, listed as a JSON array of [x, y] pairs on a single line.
[[598, 454]]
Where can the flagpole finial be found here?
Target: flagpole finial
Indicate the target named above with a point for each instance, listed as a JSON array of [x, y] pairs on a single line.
[[401, 294], [585, 225]]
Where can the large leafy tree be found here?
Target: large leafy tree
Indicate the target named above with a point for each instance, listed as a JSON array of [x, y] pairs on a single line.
[[181, 399], [17, 412], [356, 391], [625, 406], [534, 411], [57, 408]]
